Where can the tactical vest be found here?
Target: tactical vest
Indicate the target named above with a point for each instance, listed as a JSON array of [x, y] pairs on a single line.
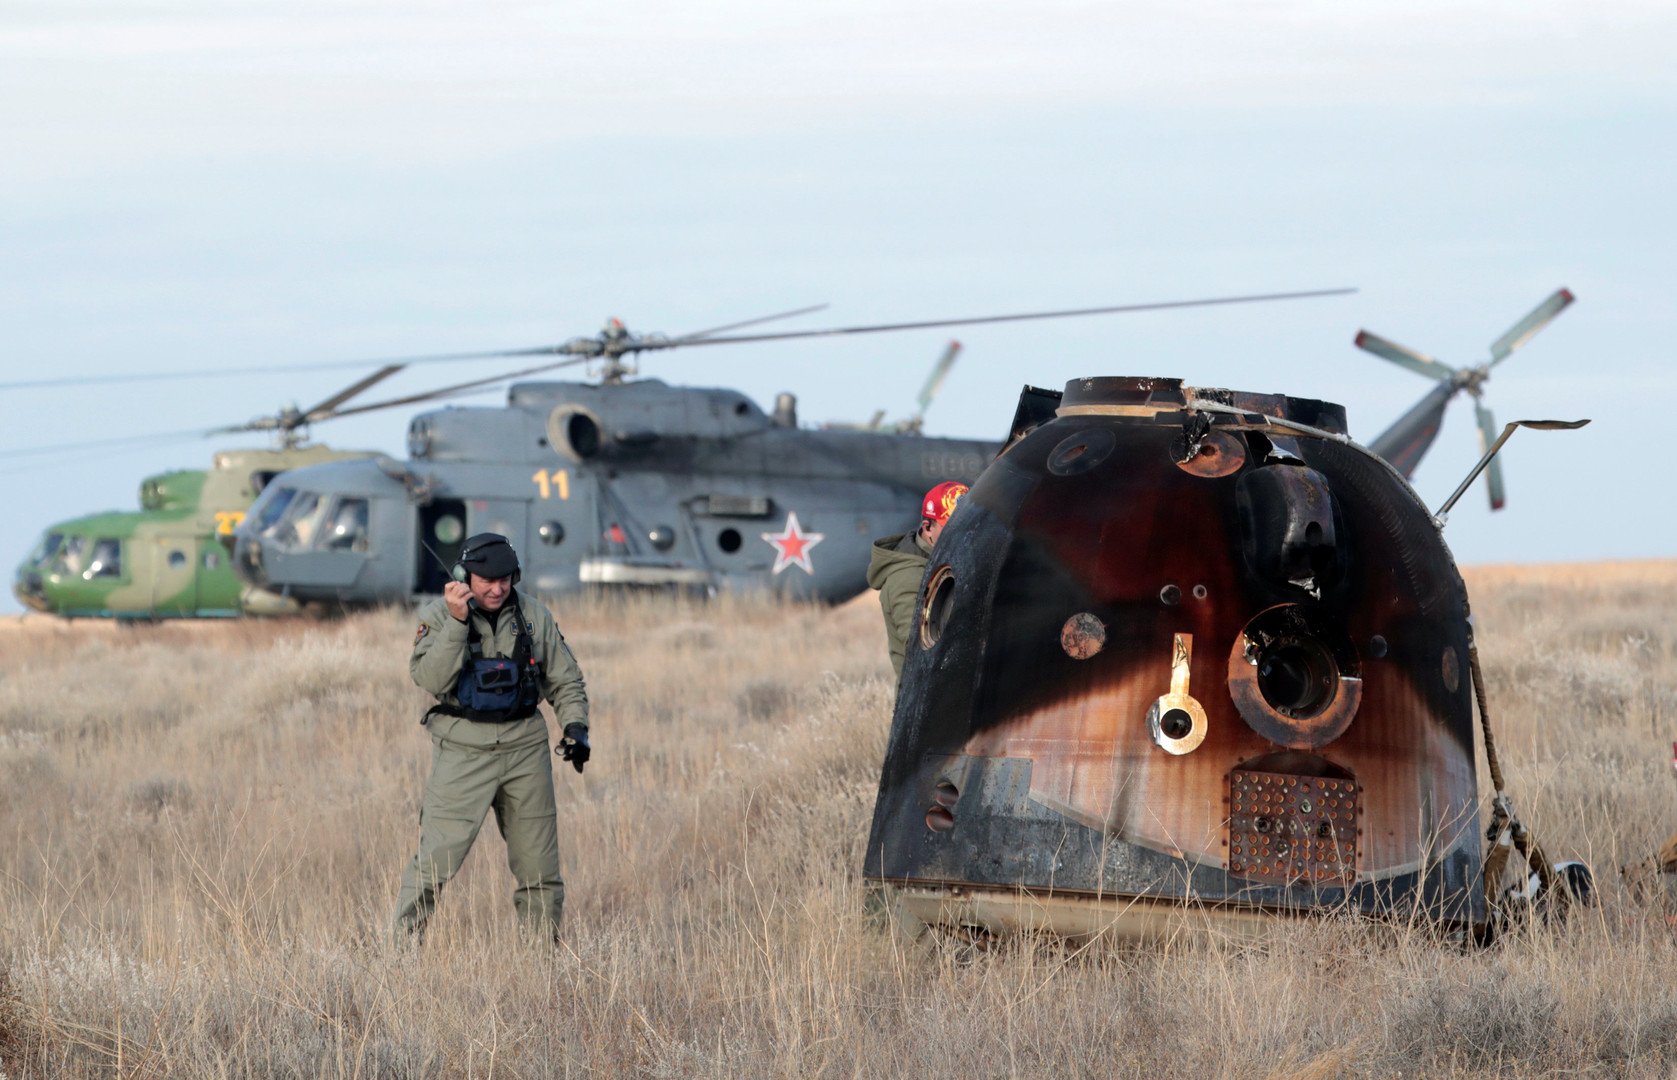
[[494, 690]]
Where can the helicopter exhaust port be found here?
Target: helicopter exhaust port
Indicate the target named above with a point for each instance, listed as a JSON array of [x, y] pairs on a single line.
[[574, 432]]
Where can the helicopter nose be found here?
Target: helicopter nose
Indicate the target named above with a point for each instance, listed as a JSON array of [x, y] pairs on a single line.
[[30, 590], [247, 561]]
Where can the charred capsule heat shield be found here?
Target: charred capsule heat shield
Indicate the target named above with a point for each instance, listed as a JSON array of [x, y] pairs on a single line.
[[1175, 645]]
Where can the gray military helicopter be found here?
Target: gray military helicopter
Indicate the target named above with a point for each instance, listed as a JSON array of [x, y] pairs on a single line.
[[615, 482]]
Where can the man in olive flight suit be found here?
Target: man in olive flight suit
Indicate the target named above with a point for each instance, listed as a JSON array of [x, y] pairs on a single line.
[[899, 562], [488, 653]]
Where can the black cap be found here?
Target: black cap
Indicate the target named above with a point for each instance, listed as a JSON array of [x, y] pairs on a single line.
[[489, 555]]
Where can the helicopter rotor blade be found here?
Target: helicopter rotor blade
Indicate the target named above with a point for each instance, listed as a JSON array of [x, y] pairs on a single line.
[[697, 334], [1493, 472], [594, 347], [261, 423], [934, 381], [108, 444], [268, 423], [1521, 332], [589, 348], [931, 324], [273, 369], [1404, 357], [327, 407], [457, 388], [291, 419]]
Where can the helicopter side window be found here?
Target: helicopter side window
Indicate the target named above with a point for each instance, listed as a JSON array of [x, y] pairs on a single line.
[[69, 559], [260, 479], [273, 511], [347, 527], [106, 561]]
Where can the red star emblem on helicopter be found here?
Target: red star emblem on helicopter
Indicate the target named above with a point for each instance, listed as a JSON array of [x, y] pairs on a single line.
[[792, 544]]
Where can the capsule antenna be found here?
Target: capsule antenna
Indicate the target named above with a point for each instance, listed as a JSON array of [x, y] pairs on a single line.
[[1508, 430]]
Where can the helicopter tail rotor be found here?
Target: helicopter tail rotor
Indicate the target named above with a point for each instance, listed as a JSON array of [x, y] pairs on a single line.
[[1405, 441]]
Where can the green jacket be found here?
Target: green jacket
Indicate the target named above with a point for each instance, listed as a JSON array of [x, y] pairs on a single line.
[[898, 564], [439, 656]]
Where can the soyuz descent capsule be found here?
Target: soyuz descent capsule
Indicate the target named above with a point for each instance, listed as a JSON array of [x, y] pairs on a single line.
[[1181, 645]]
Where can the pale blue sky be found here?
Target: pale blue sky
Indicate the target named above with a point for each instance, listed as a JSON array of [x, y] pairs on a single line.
[[249, 181]]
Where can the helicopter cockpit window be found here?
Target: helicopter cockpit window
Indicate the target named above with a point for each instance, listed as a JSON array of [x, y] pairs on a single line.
[[46, 549], [106, 561], [302, 519], [69, 560], [273, 511], [346, 528], [259, 480], [300, 522]]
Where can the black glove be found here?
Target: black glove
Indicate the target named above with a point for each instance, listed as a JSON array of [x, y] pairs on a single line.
[[573, 745]]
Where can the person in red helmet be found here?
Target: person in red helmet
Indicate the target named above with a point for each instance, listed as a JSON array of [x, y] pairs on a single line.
[[899, 562]]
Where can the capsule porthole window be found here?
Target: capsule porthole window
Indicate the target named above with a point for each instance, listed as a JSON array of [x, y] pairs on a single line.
[[939, 603]]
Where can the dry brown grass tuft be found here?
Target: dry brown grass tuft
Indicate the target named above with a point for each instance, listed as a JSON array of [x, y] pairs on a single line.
[[200, 841]]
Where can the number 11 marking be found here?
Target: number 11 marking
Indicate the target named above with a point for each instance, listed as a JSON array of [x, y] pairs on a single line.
[[558, 480]]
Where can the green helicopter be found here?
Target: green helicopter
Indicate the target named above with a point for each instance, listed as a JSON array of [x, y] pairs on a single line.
[[170, 559]]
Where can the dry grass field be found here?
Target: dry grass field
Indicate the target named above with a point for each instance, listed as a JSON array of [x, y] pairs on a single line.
[[202, 829]]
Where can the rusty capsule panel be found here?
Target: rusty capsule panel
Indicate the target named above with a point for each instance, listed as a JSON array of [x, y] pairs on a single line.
[[1290, 586]]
